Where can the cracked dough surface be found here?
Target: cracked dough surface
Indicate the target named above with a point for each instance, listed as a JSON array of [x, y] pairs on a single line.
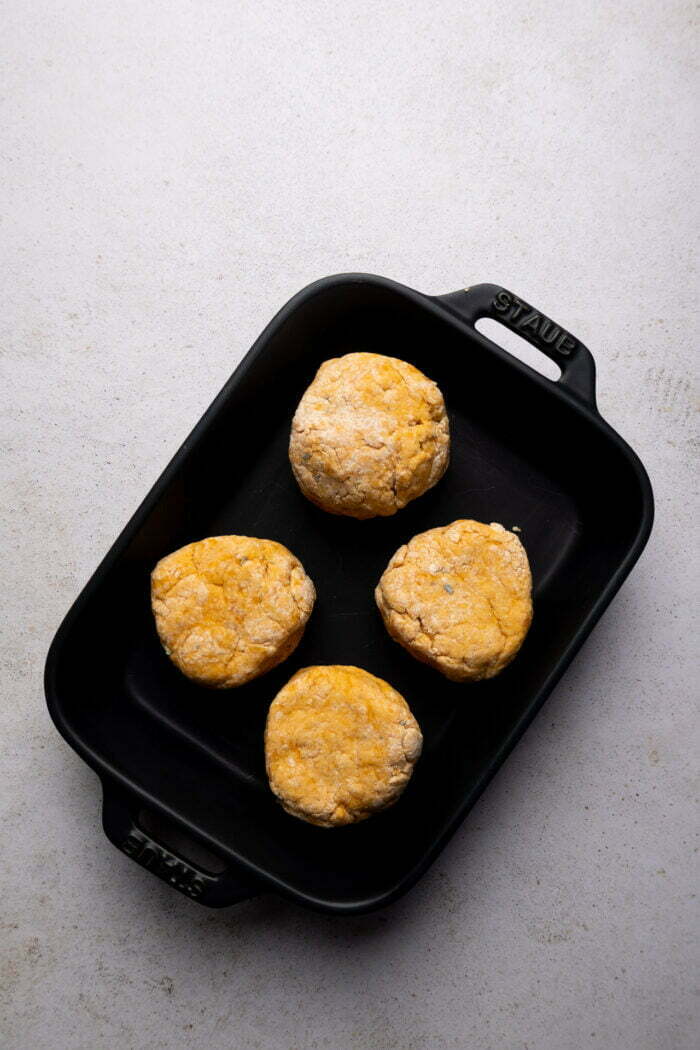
[[459, 598], [229, 608], [340, 744], [370, 434]]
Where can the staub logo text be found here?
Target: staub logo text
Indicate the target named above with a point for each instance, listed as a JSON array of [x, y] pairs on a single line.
[[519, 316], [163, 863]]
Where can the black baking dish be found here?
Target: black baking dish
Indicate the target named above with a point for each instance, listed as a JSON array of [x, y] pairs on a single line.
[[526, 452]]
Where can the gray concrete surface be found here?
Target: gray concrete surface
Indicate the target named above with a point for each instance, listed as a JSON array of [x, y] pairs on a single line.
[[171, 174]]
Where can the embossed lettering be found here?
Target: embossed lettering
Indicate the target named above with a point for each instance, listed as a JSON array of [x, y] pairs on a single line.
[[531, 321], [163, 863], [195, 888], [501, 301], [522, 317], [565, 344], [548, 330], [131, 844], [149, 855]]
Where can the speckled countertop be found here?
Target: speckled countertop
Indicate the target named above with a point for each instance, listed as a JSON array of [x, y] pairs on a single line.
[[172, 173]]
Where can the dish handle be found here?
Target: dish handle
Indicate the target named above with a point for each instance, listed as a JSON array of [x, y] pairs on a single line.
[[491, 300], [121, 826]]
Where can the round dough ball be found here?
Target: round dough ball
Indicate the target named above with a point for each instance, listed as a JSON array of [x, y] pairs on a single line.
[[340, 745], [229, 608], [370, 434], [459, 598]]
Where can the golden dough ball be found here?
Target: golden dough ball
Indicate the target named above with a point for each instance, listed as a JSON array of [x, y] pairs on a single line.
[[340, 745], [230, 608], [459, 598], [370, 434]]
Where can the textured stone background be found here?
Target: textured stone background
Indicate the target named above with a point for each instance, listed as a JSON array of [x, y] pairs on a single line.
[[171, 173]]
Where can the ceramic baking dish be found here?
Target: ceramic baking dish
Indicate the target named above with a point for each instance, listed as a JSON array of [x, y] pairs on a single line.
[[526, 452]]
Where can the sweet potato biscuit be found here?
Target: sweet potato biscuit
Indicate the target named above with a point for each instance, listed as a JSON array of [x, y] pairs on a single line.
[[340, 745], [459, 598], [370, 434], [229, 608]]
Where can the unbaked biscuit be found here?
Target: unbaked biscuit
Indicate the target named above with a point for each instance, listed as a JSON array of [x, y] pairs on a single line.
[[459, 598], [340, 745], [370, 434], [229, 608]]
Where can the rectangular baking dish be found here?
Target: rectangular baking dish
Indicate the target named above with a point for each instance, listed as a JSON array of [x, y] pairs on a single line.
[[526, 452]]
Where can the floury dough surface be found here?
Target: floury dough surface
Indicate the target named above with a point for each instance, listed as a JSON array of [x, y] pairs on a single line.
[[459, 598], [370, 434], [229, 608], [340, 745]]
